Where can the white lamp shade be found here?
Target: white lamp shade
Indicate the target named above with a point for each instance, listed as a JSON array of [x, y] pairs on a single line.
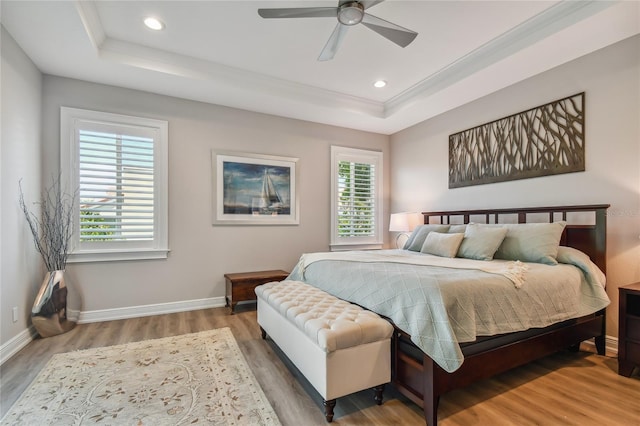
[[404, 222], [415, 219]]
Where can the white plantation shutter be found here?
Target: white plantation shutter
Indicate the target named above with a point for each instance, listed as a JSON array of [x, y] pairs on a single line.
[[116, 187], [118, 166], [357, 191], [356, 199]]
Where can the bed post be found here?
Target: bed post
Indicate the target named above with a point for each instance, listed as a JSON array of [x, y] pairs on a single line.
[[600, 341], [601, 260], [430, 399]]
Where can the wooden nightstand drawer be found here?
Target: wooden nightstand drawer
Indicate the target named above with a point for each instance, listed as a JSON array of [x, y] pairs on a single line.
[[633, 350], [633, 328]]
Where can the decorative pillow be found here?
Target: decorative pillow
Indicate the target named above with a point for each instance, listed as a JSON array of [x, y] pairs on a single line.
[[415, 241], [531, 242], [457, 229], [481, 242], [443, 245]]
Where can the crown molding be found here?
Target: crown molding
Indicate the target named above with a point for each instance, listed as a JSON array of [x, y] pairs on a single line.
[[242, 86], [536, 28], [158, 60], [91, 22]]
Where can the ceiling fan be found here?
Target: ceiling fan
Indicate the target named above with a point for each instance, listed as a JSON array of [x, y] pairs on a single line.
[[348, 13]]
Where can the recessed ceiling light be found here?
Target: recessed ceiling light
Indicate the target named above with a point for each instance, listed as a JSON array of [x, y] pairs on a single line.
[[379, 84], [153, 23]]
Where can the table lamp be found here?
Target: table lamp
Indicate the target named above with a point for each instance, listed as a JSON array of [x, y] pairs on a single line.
[[404, 223]]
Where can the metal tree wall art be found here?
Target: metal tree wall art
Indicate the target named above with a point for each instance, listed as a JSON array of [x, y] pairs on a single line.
[[545, 140]]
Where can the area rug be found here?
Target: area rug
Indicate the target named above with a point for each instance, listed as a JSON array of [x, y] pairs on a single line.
[[199, 378]]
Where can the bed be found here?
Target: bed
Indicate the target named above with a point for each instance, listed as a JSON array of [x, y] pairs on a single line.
[[449, 355]]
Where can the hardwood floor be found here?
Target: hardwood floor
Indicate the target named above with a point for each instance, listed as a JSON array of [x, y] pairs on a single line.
[[564, 389]]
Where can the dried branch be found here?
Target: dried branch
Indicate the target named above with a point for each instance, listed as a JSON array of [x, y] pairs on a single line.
[[53, 230]]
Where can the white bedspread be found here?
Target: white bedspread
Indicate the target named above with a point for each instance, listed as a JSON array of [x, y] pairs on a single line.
[[513, 270], [444, 305]]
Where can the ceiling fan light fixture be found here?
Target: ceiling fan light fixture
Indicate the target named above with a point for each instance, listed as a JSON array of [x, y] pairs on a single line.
[[351, 13], [348, 13], [153, 23], [379, 84]]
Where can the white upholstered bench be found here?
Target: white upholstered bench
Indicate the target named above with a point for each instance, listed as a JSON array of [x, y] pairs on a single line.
[[338, 346]]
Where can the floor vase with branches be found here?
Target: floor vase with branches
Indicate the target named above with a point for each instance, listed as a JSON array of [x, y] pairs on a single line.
[[51, 229]]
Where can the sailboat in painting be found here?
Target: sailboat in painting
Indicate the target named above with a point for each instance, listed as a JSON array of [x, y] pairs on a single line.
[[269, 201]]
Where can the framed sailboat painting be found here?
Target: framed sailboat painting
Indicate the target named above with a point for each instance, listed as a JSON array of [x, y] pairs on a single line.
[[254, 189]]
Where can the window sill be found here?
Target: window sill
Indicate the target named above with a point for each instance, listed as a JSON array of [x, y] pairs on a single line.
[[119, 255]]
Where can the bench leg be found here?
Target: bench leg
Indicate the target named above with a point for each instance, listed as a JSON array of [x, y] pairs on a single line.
[[328, 409], [377, 397]]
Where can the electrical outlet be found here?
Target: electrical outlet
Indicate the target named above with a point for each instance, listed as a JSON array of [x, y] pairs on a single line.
[[15, 313]]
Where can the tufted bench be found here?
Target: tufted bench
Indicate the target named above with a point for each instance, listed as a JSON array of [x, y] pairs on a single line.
[[338, 346]]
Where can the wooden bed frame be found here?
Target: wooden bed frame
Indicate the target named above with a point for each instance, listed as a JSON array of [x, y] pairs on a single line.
[[420, 379]]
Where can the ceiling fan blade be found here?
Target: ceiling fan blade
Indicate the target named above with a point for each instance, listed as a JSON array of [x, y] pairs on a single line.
[[330, 49], [300, 12], [370, 3], [397, 34]]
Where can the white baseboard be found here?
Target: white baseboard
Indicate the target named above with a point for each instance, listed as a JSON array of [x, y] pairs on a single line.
[[610, 345], [16, 343], [85, 317]]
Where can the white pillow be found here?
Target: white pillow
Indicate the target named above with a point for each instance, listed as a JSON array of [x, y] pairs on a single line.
[[443, 245], [481, 242], [416, 240], [455, 229], [531, 242]]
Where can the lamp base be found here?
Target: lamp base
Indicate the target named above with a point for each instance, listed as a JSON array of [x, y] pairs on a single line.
[[401, 240]]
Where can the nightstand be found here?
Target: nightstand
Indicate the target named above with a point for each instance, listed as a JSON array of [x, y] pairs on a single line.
[[241, 286], [629, 331]]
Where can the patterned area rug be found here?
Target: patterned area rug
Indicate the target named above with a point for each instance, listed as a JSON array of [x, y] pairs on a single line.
[[199, 378]]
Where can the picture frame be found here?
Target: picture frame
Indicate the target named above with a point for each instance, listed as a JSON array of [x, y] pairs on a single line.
[[254, 189]]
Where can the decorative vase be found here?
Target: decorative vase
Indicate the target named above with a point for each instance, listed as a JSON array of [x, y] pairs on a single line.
[[49, 312]]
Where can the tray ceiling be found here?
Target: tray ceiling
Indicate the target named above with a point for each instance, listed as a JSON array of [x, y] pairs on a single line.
[[223, 53]]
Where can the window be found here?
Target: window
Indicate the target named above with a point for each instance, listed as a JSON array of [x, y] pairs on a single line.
[[356, 187], [117, 166]]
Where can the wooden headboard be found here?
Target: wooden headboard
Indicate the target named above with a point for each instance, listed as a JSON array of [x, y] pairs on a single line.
[[586, 228]]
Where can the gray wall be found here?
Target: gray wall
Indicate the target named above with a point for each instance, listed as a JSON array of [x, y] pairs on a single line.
[[416, 158], [201, 253], [21, 269], [611, 79]]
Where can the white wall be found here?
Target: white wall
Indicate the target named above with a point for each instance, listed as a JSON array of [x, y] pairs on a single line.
[[201, 253], [21, 269], [611, 79]]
